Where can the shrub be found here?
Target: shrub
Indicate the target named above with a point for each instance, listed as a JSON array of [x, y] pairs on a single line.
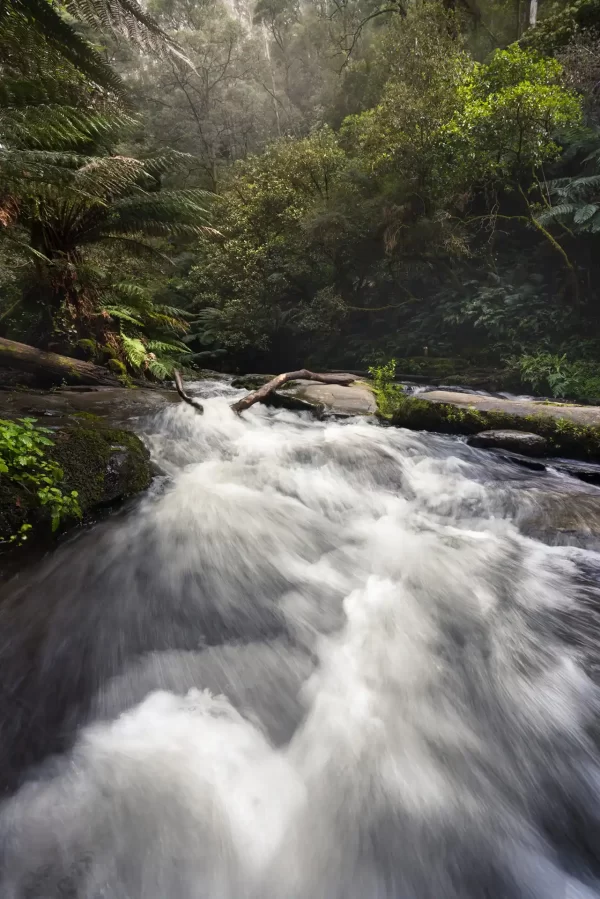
[[558, 377], [387, 392]]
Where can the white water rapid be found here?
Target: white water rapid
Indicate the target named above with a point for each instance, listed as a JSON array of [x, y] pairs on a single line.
[[319, 661]]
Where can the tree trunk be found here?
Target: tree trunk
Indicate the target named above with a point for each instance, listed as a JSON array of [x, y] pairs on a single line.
[[51, 368]]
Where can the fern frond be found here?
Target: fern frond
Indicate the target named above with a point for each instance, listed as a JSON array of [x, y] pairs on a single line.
[[46, 20], [134, 350], [123, 314], [125, 18], [584, 213], [557, 213], [161, 346]]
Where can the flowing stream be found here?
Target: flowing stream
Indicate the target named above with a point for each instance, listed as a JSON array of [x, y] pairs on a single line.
[[318, 661]]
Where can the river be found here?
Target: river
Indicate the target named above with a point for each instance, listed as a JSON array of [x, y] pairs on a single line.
[[319, 660]]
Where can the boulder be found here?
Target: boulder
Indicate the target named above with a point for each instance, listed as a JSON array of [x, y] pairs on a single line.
[[523, 442], [104, 465], [279, 400]]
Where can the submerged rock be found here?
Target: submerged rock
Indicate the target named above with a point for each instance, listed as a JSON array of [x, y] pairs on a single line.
[[524, 442], [584, 471]]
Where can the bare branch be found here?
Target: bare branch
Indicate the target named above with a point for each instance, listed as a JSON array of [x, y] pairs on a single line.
[[260, 395], [184, 396]]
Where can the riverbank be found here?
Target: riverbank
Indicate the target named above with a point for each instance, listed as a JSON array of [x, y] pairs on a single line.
[[569, 430]]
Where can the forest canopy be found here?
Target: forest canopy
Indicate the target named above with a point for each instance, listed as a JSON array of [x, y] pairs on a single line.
[[280, 183]]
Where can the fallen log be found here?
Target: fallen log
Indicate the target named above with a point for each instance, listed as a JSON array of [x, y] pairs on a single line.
[[51, 368], [184, 396], [260, 395]]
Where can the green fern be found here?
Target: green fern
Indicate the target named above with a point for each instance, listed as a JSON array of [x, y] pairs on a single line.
[[135, 351]]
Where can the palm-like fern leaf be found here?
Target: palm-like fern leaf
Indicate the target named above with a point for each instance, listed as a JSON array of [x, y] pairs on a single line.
[[121, 17], [45, 20]]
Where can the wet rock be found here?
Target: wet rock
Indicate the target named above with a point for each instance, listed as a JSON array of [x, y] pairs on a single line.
[[279, 400], [585, 471], [570, 431], [104, 465], [519, 459], [523, 442]]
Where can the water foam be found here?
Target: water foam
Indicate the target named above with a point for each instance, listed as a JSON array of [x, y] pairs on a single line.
[[324, 662]]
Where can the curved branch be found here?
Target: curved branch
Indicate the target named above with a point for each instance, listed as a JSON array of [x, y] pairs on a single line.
[[184, 396], [260, 395]]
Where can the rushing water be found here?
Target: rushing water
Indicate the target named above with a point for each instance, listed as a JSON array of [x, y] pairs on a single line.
[[320, 661]]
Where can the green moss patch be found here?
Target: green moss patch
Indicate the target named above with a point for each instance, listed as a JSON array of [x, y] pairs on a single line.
[[565, 438], [102, 464]]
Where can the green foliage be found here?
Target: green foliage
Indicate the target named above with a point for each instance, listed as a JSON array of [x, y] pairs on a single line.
[[559, 377], [449, 202], [562, 24], [279, 237], [575, 199], [23, 462], [387, 392], [508, 113]]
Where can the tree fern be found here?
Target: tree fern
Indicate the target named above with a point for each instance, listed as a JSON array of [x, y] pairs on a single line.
[[49, 22], [576, 199]]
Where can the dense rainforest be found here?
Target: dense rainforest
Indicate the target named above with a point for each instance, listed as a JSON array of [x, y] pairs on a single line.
[[334, 183]]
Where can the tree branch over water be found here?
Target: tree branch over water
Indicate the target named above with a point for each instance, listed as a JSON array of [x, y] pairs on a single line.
[[260, 395], [184, 396]]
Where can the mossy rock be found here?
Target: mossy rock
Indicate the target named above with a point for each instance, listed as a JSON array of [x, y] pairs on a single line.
[[116, 366], [87, 349], [104, 465], [564, 437], [108, 352]]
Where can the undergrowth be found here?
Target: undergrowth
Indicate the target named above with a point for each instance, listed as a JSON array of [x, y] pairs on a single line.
[[23, 462], [556, 376]]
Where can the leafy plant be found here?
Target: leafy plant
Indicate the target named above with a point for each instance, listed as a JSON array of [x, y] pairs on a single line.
[[556, 375], [23, 461], [387, 392], [576, 198]]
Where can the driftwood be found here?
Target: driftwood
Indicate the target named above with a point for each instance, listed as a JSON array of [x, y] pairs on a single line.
[[184, 396], [260, 395], [51, 368]]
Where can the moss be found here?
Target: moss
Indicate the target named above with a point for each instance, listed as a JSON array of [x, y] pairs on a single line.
[[116, 366], [88, 348], [107, 351], [565, 438], [103, 464], [88, 457], [87, 416]]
